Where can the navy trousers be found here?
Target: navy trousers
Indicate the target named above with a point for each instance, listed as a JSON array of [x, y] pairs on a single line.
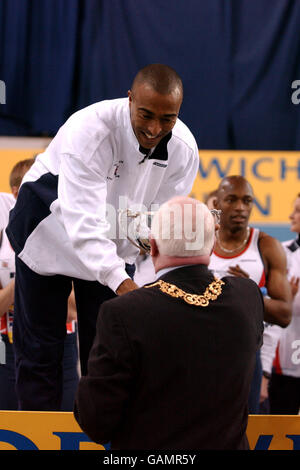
[[8, 395], [8, 398], [39, 332]]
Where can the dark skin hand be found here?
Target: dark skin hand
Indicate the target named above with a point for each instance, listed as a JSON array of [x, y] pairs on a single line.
[[278, 308], [237, 271], [126, 286]]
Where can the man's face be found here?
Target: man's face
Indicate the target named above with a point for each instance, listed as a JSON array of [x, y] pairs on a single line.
[[295, 217], [152, 115], [235, 201]]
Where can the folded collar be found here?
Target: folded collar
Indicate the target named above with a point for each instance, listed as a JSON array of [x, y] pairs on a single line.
[[161, 150]]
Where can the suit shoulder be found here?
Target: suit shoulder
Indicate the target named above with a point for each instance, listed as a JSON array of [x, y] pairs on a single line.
[[241, 283], [133, 300], [246, 294]]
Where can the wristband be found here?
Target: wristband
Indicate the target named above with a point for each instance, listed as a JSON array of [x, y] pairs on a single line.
[[263, 291], [267, 375]]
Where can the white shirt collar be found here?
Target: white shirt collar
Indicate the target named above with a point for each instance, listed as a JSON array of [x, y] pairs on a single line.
[[164, 271]]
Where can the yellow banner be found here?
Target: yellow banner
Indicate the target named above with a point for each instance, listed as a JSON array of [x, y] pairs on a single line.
[[8, 158], [274, 176], [271, 432], [25, 430]]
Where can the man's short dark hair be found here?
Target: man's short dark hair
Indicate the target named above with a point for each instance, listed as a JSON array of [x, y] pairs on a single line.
[[162, 78]]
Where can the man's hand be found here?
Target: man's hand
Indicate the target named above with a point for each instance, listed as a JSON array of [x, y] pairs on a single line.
[[126, 286], [72, 310], [237, 271], [264, 393]]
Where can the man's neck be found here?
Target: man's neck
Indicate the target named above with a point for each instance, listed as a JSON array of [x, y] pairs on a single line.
[[230, 235], [163, 261], [232, 242]]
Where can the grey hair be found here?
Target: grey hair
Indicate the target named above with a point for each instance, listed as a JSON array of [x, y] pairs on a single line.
[[183, 227]]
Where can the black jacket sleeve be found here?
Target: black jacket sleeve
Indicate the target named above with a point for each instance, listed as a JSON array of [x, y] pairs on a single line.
[[103, 393]]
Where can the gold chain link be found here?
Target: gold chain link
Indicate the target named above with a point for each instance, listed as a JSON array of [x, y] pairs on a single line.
[[212, 292]]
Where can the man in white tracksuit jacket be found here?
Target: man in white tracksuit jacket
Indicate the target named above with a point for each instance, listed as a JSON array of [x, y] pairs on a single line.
[[125, 153]]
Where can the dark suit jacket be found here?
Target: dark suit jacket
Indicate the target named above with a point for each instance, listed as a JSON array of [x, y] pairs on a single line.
[[166, 375]]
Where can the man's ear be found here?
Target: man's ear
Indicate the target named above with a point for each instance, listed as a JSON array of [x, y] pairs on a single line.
[[215, 203], [129, 93], [154, 249], [15, 191]]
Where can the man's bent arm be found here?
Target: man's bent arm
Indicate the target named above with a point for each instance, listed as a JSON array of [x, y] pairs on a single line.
[[82, 195], [278, 308]]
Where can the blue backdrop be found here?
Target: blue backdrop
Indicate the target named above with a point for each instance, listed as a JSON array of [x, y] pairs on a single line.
[[237, 58]]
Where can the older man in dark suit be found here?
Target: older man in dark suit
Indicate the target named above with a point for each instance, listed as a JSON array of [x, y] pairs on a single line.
[[172, 362]]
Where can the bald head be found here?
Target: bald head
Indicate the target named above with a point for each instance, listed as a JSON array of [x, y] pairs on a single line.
[[161, 78], [232, 182]]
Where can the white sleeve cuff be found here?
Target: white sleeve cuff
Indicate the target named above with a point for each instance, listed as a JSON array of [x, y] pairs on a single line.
[[115, 278]]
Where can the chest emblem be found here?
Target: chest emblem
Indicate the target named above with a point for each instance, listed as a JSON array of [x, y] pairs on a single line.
[[115, 170]]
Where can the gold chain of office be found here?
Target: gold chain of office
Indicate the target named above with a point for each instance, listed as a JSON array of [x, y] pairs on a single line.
[[212, 292]]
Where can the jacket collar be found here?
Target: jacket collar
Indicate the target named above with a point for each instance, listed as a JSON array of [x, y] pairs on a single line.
[[188, 272], [161, 150], [294, 245]]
